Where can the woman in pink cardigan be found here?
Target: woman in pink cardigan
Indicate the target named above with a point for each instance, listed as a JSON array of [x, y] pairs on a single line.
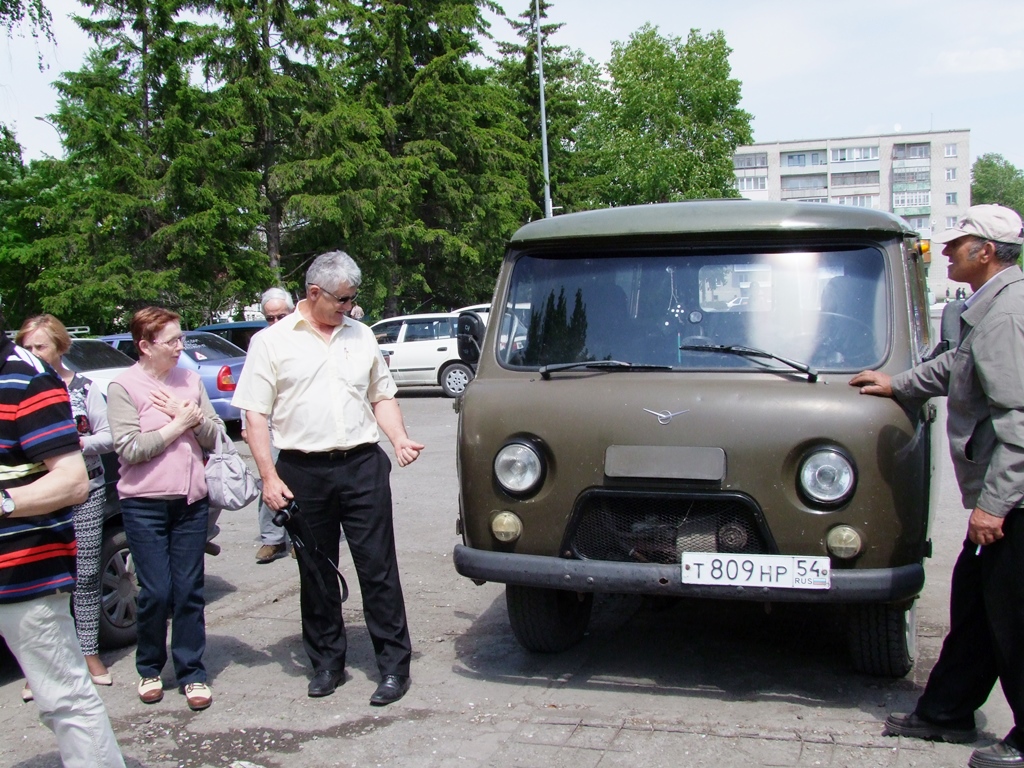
[[161, 419]]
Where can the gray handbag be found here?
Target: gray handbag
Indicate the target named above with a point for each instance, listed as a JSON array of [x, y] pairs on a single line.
[[230, 484]]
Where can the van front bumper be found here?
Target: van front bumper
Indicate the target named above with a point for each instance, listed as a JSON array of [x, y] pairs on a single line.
[[876, 585]]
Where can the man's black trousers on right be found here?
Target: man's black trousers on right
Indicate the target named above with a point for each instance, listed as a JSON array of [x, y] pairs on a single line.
[[986, 634], [350, 491]]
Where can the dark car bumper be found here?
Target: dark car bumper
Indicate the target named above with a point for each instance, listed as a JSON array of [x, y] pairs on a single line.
[[879, 585]]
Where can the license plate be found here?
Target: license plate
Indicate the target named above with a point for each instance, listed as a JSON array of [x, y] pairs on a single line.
[[779, 571]]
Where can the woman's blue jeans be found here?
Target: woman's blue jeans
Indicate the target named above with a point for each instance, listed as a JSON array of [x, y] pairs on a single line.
[[167, 539]]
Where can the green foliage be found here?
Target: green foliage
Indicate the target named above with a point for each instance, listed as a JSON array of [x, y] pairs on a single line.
[[666, 126], [14, 12], [995, 180], [439, 182], [570, 79], [213, 148]]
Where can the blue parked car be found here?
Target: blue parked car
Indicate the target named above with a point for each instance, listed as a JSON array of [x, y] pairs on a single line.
[[238, 333], [217, 361]]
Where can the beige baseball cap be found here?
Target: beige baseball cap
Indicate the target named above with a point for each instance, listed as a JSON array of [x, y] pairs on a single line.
[[989, 222]]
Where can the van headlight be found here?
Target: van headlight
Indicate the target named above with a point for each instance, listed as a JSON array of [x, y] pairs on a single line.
[[518, 468], [827, 477]]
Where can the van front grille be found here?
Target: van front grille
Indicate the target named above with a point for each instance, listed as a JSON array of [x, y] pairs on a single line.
[[657, 528]]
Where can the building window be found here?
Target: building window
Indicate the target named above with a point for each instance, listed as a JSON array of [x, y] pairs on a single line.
[[750, 160], [916, 199], [854, 153], [911, 151], [819, 158], [912, 176], [804, 182], [918, 222], [796, 160], [950, 222], [860, 201], [854, 179], [951, 198], [951, 174], [746, 183], [950, 150], [812, 199]]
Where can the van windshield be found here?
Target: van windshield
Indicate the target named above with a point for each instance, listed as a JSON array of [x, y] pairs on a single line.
[[825, 308]]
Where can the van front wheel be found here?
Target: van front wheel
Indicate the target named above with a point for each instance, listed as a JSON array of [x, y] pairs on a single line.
[[882, 638], [547, 620]]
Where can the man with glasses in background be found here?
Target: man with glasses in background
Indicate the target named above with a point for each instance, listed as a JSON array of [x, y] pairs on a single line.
[[275, 304], [322, 376]]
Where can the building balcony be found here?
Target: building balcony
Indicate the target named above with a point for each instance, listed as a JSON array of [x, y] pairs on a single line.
[[854, 166], [919, 186], [792, 194], [914, 162], [921, 210]]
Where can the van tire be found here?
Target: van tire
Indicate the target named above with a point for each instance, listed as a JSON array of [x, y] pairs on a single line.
[[882, 638], [455, 377], [547, 620], [119, 591]]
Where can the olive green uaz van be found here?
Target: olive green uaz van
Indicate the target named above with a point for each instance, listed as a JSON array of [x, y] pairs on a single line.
[[661, 407]]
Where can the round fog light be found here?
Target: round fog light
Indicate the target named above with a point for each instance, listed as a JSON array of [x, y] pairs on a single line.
[[506, 527], [844, 542]]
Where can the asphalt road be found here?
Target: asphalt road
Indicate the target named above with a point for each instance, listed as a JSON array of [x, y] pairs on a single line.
[[691, 684]]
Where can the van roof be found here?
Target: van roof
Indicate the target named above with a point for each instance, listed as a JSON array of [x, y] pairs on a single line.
[[711, 216]]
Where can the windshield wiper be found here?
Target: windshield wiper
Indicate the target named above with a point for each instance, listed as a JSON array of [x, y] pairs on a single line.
[[603, 365], [736, 349]]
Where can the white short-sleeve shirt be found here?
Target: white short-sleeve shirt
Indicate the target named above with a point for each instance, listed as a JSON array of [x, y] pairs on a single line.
[[320, 392]]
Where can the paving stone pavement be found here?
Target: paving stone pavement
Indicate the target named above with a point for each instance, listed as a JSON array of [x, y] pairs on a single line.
[[694, 684]]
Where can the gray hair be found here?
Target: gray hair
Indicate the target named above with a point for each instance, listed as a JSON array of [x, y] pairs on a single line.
[[329, 270], [276, 294], [1007, 253]]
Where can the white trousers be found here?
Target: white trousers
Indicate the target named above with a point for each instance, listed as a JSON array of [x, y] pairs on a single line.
[[41, 635]]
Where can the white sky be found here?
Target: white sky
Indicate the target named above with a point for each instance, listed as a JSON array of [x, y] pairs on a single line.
[[810, 68]]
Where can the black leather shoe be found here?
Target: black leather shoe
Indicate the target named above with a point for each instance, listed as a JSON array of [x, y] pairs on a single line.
[[916, 727], [325, 682], [996, 756], [390, 690]]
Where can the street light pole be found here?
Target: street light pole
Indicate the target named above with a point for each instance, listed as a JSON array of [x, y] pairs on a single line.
[[543, 118]]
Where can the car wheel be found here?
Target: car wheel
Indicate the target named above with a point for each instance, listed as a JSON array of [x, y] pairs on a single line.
[[547, 620], [119, 591], [882, 638], [454, 379]]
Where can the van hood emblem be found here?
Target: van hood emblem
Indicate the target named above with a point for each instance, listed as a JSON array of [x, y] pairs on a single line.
[[665, 417]]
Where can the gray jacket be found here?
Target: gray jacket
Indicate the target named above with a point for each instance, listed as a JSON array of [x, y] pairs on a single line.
[[984, 380]]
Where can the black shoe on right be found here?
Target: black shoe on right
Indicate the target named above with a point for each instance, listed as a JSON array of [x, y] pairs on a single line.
[[916, 727], [325, 682]]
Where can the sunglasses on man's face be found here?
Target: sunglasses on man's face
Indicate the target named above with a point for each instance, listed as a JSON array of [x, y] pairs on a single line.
[[274, 318]]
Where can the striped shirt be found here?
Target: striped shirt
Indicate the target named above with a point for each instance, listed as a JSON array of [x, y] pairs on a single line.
[[37, 554]]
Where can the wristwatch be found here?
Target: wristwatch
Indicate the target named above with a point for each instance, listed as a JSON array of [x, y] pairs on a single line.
[[7, 504]]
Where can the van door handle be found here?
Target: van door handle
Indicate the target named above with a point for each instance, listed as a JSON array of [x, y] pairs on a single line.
[[442, 349]]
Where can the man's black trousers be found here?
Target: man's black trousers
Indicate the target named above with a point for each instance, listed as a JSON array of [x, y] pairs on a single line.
[[350, 491], [986, 634]]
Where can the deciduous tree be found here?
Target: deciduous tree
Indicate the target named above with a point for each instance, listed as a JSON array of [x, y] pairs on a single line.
[[667, 124], [995, 180]]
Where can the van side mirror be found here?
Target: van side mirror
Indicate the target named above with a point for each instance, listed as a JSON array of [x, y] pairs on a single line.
[[469, 331]]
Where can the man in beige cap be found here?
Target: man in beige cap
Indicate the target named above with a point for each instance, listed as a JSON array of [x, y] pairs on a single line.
[[983, 379]]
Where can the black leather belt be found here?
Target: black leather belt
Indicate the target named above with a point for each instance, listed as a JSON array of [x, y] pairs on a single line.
[[320, 456]]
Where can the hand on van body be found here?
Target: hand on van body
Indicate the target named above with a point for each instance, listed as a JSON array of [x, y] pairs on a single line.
[[873, 383]]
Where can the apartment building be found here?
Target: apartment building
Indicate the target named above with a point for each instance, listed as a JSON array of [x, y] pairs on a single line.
[[923, 177]]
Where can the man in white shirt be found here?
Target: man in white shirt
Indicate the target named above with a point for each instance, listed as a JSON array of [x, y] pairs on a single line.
[[324, 379]]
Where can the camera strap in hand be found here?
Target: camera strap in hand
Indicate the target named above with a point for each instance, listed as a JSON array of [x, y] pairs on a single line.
[[302, 551]]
